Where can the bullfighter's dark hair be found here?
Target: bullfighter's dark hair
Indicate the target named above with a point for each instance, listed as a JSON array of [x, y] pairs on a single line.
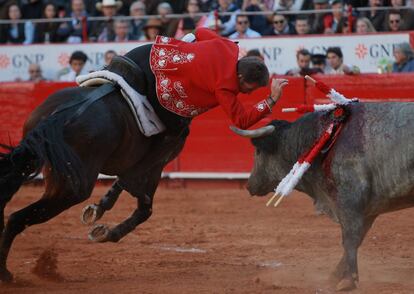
[[253, 70]]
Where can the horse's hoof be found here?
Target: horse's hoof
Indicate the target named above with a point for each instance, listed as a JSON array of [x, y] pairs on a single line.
[[99, 233], [346, 284], [5, 276], [90, 214]]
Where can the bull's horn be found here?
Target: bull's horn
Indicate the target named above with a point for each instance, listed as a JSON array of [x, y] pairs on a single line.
[[253, 133]]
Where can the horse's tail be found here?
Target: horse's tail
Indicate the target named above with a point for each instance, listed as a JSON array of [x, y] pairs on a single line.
[[43, 145]]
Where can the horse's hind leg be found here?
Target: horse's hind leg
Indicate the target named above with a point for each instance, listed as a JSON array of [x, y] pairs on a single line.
[[54, 201], [94, 212], [8, 187]]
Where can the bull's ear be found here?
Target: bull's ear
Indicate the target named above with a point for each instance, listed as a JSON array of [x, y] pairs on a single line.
[[257, 133]]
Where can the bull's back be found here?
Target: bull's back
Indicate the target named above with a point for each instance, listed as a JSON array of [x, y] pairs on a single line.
[[378, 140]]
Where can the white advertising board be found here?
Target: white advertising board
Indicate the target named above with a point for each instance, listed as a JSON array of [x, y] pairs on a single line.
[[364, 51]]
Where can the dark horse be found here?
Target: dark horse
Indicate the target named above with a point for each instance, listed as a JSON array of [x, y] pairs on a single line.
[[71, 147]]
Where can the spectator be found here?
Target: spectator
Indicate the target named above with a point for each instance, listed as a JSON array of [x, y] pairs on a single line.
[[104, 30], [76, 65], [72, 31], [4, 7], [207, 5], [193, 7], [16, 33], [364, 25], [319, 62], [227, 22], [108, 56], [32, 9], [151, 30], [126, 6], [303, 59], [243, 31], [302, 25], [151, 6], [188, 26], [258, 23], [292, 5], [35, 73], [404, 58], [336, 63], [121, 28], [331, 23], [394, 22], [343, 26], [46, 32], [280, 26], [169, 25], [317, 20], [377, 17], [407, 15], [136, 26]]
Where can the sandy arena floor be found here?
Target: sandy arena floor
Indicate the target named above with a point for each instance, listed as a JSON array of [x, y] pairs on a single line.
[[207, 241]]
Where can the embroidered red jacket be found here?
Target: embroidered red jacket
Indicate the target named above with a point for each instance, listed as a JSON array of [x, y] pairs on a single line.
[[192, 78]]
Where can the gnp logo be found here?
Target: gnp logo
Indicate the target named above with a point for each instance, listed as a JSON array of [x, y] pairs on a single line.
[[63, 59], [4, 61], [361, 51]]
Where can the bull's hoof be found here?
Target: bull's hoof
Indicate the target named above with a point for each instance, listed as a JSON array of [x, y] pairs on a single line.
[[5, 276], [346, 284], [91, 213], [99, 233]]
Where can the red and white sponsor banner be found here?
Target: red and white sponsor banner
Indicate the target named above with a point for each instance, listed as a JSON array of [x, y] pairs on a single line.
[[365, 51]]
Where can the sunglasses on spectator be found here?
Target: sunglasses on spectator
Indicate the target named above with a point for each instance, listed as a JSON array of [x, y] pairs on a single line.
[[278, 21], [35, 71], [243, 22]]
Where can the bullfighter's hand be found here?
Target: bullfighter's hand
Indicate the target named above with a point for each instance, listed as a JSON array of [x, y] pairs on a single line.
[[276, 88]]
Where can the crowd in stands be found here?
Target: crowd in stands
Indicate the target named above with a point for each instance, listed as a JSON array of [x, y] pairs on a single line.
[[76, 21], [147, 18]]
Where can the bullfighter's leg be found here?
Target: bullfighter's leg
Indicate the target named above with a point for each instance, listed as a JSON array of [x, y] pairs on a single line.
[[94, 212], [54, 201], [354, 229]]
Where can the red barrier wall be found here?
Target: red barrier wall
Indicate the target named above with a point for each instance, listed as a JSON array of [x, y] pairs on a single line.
[[211, 146]]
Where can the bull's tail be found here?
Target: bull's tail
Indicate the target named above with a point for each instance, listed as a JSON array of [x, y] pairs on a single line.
[[43, 145]]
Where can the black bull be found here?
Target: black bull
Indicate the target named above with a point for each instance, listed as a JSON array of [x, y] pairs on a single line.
[[367, 172]]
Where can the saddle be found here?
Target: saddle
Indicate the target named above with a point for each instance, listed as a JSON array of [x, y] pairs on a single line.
[[124, 74], [130, 71]]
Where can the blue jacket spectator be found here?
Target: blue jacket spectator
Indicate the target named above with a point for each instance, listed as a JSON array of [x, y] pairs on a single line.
[[71, 31]]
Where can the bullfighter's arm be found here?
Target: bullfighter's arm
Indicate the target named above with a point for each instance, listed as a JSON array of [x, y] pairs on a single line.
[[245, 118], [241, 117]]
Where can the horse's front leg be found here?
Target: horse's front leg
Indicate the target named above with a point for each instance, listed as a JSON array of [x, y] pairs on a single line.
[[101, 233], [94, 212], [143, 189]]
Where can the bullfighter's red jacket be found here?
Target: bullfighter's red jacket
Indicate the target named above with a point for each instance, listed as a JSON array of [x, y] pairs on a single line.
[[192, 78]]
